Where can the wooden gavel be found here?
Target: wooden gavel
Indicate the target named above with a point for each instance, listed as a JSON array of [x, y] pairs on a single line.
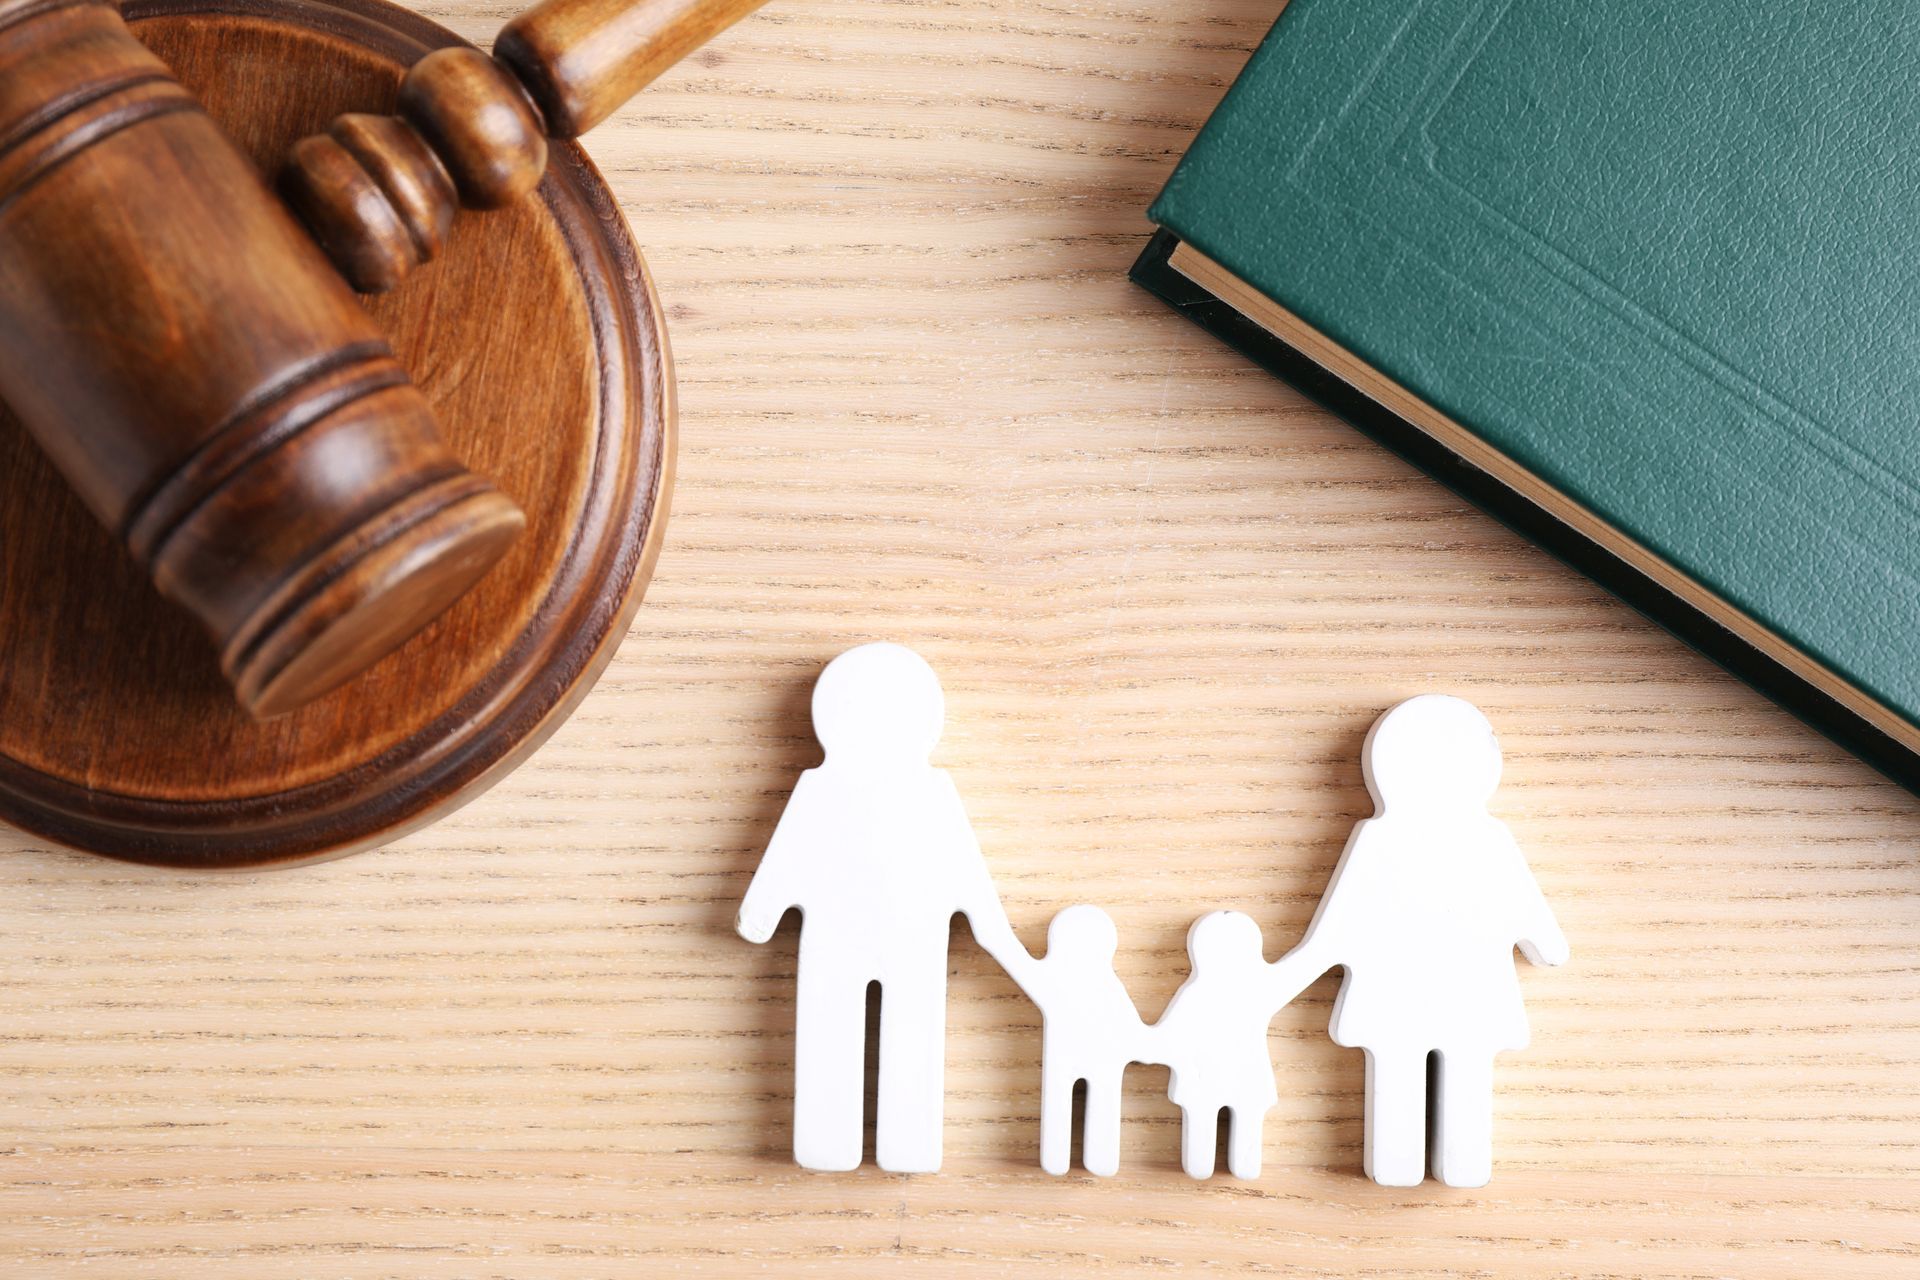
[[178, 346], [379, 192]]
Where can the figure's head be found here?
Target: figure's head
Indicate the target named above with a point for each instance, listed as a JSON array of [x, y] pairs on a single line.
[[1083, 932], [879, 700], [1432, 752], [1224, 940]]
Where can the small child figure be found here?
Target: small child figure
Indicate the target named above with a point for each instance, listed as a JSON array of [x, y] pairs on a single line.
[[1214, 1036], [1091, 1031]]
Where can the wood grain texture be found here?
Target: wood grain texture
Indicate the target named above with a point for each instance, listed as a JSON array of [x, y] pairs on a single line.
[[920, 402]]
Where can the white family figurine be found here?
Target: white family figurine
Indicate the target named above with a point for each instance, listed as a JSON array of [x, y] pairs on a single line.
[[1425, 907], [876, 851]]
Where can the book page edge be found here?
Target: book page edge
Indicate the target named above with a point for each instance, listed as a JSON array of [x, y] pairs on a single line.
[[1397, 400]]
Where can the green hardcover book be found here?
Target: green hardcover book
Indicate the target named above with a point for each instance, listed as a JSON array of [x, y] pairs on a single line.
[[1641, 280]]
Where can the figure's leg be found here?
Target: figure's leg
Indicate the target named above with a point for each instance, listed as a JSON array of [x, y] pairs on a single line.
[[829, 1069], [1056, 1118], [913, 1063], [1198, 1126], [1463, 1120], [1244, 1141], [1100, 1134], [1396, 1137]]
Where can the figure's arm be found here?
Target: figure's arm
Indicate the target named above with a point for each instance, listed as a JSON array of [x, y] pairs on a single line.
[[1540, 939], [1294, 972], [1020, 965], [776, 884], [1149, 1043], [1158, 1039], [991, 929], [997, 939], [974, 895], [1337, 922]]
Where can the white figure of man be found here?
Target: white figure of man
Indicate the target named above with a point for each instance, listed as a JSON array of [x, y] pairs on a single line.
[[1424, 910], [876, 851], [1091, 1031], [1214, 1037]]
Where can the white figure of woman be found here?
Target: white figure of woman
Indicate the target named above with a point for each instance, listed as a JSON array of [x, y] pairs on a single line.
[[1214, 1037], [876, 851], [1091, 1031], [1426, 905]]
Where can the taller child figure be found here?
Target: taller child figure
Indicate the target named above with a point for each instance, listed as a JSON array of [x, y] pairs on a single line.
[[876, 851]]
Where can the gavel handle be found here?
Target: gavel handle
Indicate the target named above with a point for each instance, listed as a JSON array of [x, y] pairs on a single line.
[[581, 59], [379, 192]]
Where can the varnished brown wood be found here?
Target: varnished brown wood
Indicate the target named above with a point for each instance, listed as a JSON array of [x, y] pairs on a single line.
[[581, 59], [478, 123], [374, 195], [376, 190], [198, 373], [360, 188], [539, 348]]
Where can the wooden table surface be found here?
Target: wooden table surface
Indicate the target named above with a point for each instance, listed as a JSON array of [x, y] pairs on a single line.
[[921, 402]]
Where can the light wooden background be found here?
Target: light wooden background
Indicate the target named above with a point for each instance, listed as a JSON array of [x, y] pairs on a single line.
[[921, 402]]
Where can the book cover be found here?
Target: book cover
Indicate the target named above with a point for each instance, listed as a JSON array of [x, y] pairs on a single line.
[[1640, 280]]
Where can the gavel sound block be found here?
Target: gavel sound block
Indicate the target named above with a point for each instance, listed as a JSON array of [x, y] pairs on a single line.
[[535, 341]]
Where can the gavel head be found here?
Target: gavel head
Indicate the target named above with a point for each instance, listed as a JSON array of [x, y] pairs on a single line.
[[205, 380]]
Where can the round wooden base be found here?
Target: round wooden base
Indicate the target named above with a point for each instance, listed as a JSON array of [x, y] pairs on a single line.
[[537, 338]]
